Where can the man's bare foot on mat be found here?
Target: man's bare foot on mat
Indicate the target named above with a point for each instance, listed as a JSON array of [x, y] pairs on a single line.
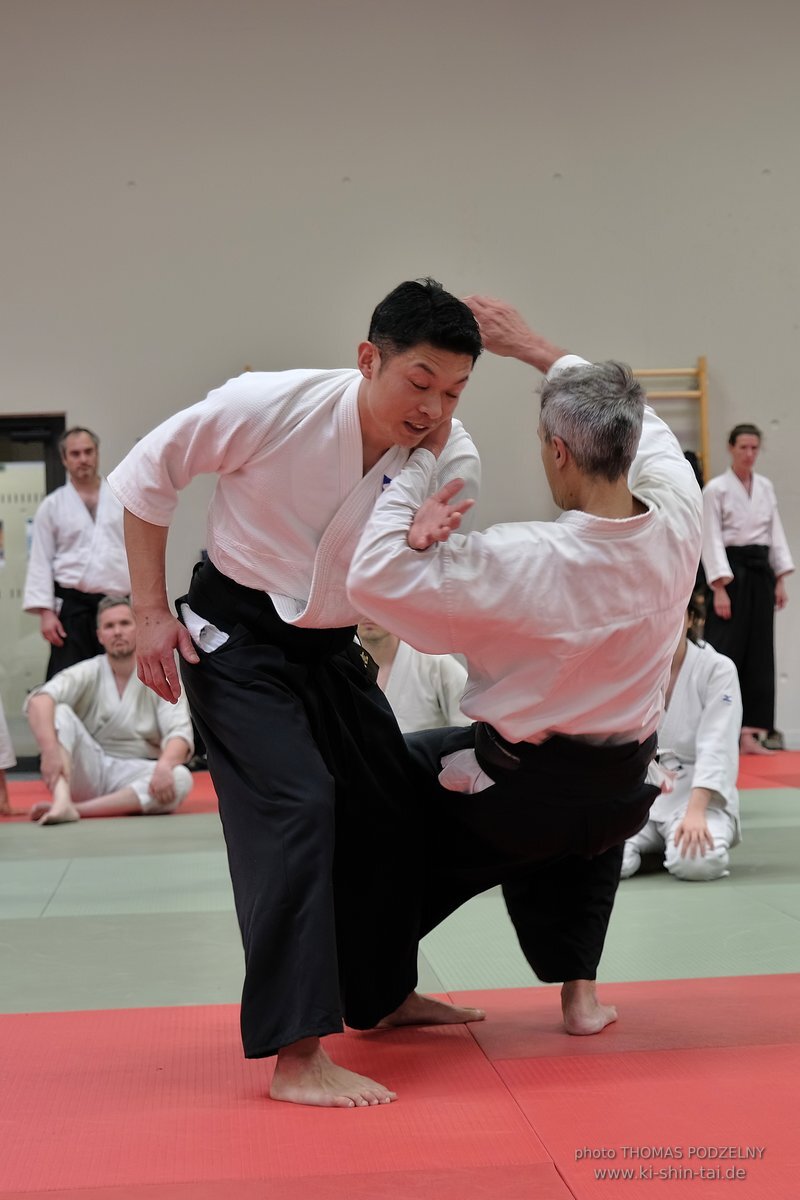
[[304, 1074], [583, 1012], [417, 1009], [61, 812]]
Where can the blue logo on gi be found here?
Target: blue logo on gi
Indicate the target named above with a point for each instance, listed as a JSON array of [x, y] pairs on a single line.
[[727, 699], [386, 482]]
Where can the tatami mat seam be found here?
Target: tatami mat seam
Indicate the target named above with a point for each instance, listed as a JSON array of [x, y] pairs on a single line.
[[54, 891]]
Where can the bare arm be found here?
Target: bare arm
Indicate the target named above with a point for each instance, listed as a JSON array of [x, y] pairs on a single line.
[[505, 332], [41, 712], [692, 837], [158, 632]]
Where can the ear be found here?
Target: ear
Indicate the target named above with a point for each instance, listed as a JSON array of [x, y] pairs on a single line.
[[560, 452], [369, 360]]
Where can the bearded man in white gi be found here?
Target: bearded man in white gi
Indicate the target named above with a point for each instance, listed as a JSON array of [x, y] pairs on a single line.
[[746, 559], [695, 819], [77, 554], [424, 690], [300, 739], [109, 746], [568, 629]]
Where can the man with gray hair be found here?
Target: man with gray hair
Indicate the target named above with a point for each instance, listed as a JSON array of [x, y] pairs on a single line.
[[110, 746], [77, 554], [568, 630]]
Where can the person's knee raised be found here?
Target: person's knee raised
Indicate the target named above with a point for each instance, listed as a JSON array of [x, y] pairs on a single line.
[[700, 869], [631, 861]]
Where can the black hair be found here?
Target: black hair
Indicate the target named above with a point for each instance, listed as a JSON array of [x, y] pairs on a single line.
[[419, 311]]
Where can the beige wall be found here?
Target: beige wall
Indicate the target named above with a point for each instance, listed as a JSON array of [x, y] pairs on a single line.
[[189, 186]]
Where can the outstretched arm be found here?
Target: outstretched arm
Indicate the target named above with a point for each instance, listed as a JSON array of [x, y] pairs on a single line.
[[505, 332], [158, 632]]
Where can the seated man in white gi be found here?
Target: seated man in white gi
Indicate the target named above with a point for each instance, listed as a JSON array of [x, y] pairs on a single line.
[[568, 629], [424, 690], [109, 745], [697, 821]]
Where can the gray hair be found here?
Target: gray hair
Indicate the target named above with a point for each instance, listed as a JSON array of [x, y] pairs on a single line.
[[112, 602], [597, 410], [68, 433]]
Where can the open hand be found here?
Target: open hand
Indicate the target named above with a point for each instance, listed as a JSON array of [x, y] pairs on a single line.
[[436, 519], [158, 636]]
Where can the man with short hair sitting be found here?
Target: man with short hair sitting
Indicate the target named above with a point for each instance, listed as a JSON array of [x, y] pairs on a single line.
[[109, 745]]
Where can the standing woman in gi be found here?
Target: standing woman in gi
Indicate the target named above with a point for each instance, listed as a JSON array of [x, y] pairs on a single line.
[[745, 557]]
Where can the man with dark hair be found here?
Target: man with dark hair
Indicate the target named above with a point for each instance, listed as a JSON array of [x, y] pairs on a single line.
[[77, 554], [746, 557], [299, 737], [568, 630], [109, 746]]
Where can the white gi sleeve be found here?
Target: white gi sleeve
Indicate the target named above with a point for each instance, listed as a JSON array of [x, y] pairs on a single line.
[[450, 683], [73, 686], [780, 557], [661, 474], [717, 739], [420, 595], [174, 721], [460, 460], [715, 558], [39, 591], [216, 436]]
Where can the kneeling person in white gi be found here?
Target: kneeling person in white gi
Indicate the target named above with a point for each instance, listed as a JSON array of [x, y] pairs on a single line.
[[109, 745], [697, 822]]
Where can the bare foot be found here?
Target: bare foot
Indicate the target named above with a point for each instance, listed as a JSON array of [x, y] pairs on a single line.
[[305, 1075], [63, 814], [583, 1012], [39, 810], [62, 811], [424, 1010], [749, 744]]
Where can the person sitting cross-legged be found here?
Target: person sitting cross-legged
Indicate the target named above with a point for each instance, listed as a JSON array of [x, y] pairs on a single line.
[[109, 745]]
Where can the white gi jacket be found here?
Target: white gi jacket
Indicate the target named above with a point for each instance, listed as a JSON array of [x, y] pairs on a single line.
[[567, 626], [425, 690], [137, 724], [78, 552], [291, 498], [699, 734], [734, 517]]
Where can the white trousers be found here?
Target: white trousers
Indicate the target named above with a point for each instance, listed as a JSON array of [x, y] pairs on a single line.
[[660, 835], [95, 773], [7, 756]]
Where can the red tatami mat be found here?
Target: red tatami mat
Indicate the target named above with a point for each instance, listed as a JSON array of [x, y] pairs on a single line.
[[779, 770], [122, 1098], [24, 793], [662, 1014], [686, 1113], [157, 1104], [539, 1181]]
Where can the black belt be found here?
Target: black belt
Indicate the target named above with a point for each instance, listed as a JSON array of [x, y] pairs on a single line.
[[752, 558], [78, 600], [579, 767], [225, 603]]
